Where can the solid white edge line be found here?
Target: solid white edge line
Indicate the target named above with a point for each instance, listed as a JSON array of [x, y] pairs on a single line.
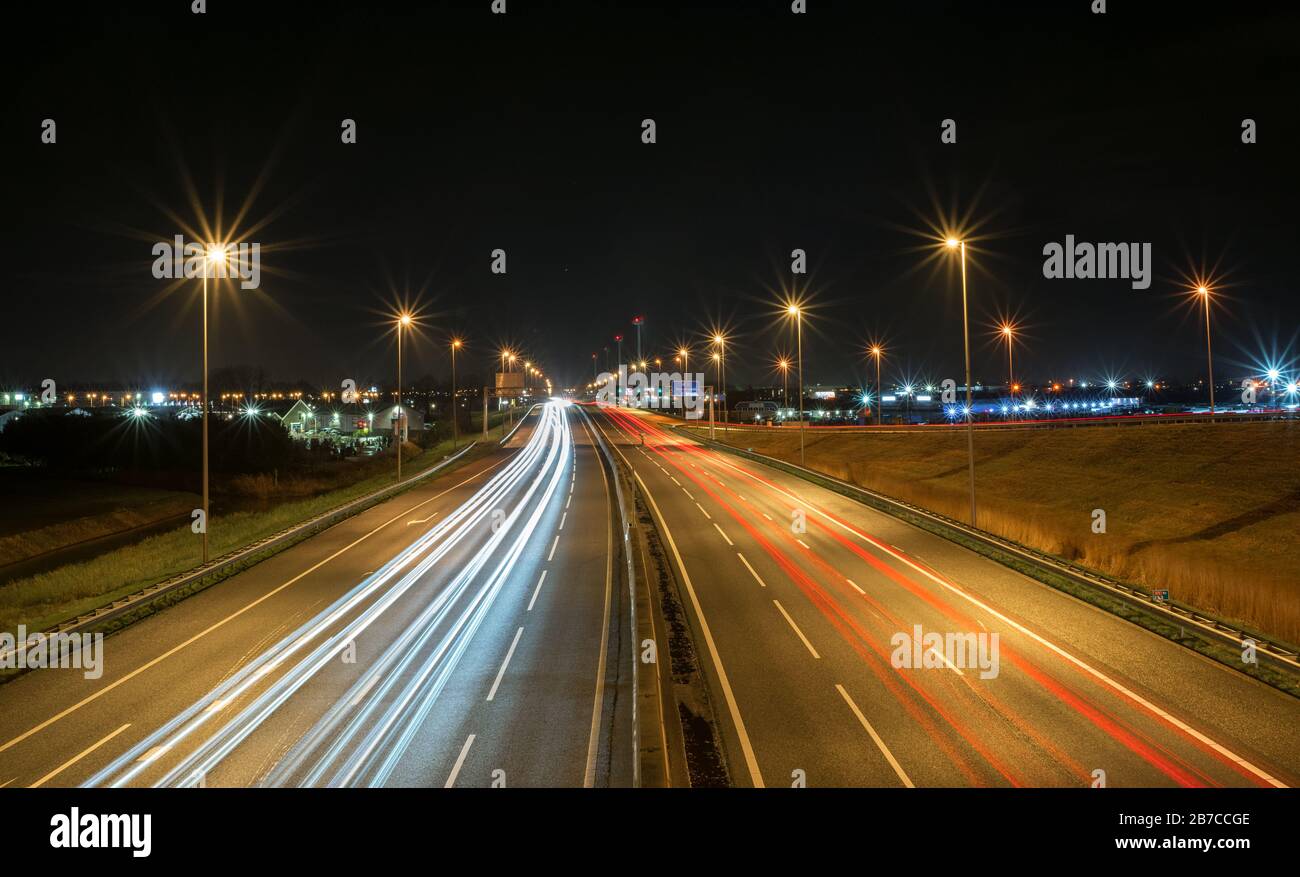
[[755, 776]]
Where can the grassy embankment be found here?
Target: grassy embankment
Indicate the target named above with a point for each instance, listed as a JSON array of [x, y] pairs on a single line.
[[1211, 512], [45, 599]]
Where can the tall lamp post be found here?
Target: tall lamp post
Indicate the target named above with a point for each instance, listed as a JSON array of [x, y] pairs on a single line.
[[721, 357], [955, 244], [403, 322], [1009, 333], [685, 354], [216, 255], [876, 351], [794, 311], [1204, 293], [784, 365], [455, 426]]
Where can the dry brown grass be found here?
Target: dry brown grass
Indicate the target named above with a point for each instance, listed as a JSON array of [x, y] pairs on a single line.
[[1209, 511]]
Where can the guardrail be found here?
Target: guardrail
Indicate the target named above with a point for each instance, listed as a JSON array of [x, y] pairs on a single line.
[[228, 562], [1278, 655], [1045, 423]]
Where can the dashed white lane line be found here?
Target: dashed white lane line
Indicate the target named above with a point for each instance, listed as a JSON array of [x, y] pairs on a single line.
[[951, 666], [506, 663], [551, 556], [752, 571], [766, 515], [855, 586], [688, 493], [74, 759], [564, 517], [880, 744], [675, 481], [796, 629], [803, 543], [706, 514], [569, 500], [537, 590], [460, 760], [722, 534]]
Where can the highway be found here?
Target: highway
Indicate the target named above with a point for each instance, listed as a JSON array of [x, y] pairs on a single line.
[[796, 595], [460, 634]]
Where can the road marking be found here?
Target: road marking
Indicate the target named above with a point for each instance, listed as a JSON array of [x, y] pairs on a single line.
[[755, 776], [722, 534], [365, 689], [855, 587], [688, 493], [154, 753], [423, 520], [751, 570], [706, 514], [551, 556], [951, 666], [567, 501], [537, 590], [593, 741], [460, 760], [564, 517], [675, 481], [1083, 665], [880, 744], [803, 543], [74, 759], [207, 630], [7, 782], [766, 515], [504, 664], [796, 629]]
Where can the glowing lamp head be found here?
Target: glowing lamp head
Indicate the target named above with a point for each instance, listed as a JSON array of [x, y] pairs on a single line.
[[216, 254], [1202, 290], [404, 319], [952, 243]]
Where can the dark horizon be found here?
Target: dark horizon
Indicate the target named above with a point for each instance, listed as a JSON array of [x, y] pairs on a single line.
[[474, 134]]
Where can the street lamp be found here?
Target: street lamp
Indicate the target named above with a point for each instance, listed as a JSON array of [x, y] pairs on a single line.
[[721, 357], [1204, 292], [955, 244], [877, 351], [685, 354], [1009, 333], [216, 255], [794, 311], [455, 426], [403, 322], [784, 365]]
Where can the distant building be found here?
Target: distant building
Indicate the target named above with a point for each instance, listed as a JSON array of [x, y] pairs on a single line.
[[384, 420]]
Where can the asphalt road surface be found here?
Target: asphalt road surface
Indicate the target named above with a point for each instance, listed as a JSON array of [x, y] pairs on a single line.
[[806, 605], [457, 635]]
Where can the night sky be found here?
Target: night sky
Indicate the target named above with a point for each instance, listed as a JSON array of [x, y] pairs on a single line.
[[523, 132]]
